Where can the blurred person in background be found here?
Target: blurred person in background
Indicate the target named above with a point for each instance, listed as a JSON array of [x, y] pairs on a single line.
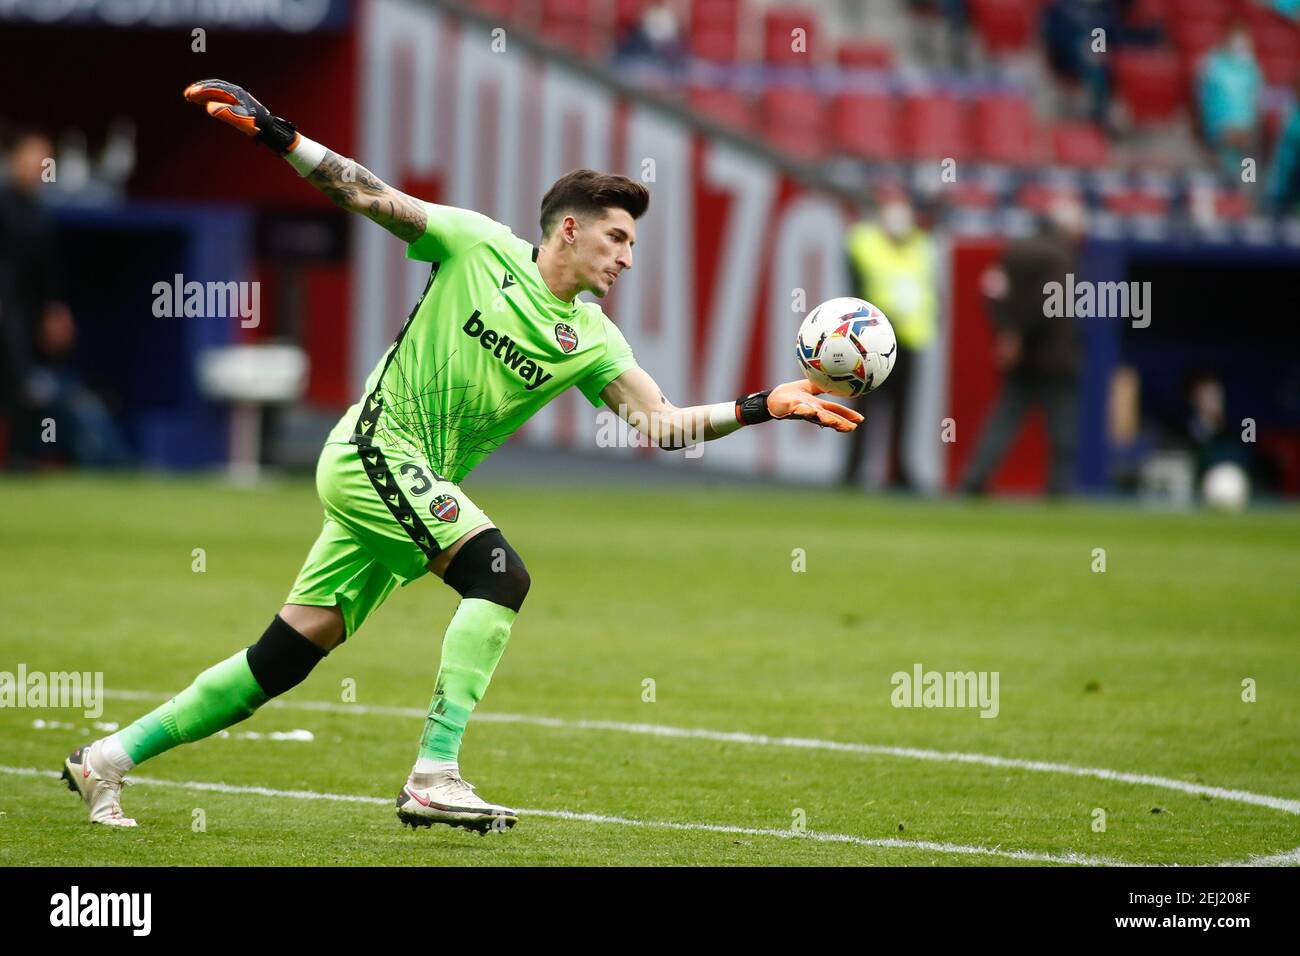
[[1283, 191], [1228, 82], [893, 266], [1067, 27], [656, 35], [38, 381], [939, 32], [1039, 355], [1206, 431]]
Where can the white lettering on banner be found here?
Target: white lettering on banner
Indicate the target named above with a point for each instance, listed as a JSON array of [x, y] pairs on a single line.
[[737, 277], [810, 227], [294, 15], [393, 35], [655, 309], [485, 173], [568, 102]]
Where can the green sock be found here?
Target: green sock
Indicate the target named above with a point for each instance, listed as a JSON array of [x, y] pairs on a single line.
[[474, 642], [222, 695]]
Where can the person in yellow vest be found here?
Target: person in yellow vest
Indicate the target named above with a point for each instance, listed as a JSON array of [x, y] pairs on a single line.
[[892, 264]]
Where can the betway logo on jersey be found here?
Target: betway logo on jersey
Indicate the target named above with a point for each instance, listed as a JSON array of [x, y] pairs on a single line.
[[503, 347]]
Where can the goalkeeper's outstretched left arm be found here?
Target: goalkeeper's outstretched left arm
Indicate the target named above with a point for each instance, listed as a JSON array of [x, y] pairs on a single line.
[[348, 184]]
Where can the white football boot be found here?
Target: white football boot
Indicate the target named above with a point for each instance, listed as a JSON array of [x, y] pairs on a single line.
[[444, 797], [99, 784]]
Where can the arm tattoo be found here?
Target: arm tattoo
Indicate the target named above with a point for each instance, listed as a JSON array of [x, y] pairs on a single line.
[[356, 189]]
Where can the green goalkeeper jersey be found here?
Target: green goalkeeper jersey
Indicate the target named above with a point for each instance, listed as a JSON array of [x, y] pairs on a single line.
[[487, 345]]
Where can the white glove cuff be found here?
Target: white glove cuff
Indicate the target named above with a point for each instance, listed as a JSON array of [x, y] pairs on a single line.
[[306, 156], [722, 418]]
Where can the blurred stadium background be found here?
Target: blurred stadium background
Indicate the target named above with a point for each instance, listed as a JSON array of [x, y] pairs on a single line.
[[774, 136]]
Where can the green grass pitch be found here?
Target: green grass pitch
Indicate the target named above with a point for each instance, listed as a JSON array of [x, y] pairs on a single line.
[[1137, 670]]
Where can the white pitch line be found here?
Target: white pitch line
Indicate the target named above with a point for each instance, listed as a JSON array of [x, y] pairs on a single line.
[[1284, 804], [1026, 856], [1288, 858]]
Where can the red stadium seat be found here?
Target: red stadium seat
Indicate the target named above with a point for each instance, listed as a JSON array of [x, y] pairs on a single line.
[[969, 194], [793, 120], [1145, 13], [865, 54], [1004, 26], [791, 141], [1279, 69], [934, 127], [1151, 83], [577, 25], [1232, 204], [1276, 41], [1194, 37], [627, 13], [789, 104], [1220, 10], [1081, 145], [722, 106], [1006, 130], [714, 30], [714, 13], [505, 9], [716, 43], [1133, 202], [1039, 197], [779, 35], [715, 10], [555, 12], [866, 125]]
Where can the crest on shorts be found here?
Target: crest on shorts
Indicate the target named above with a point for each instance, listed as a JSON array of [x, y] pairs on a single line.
[[445, 508], [566, 336]]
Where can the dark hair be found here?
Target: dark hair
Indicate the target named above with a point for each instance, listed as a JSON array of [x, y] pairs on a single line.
[[587, 191]]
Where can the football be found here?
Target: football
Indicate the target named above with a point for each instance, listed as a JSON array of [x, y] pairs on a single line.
[[1226, 487], [846, 346]]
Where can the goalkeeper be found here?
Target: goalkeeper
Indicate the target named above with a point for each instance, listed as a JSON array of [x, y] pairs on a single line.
[[497, 333]]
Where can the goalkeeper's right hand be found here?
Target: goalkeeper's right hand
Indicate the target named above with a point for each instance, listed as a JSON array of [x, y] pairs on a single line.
[[799, 400], [236, 107]]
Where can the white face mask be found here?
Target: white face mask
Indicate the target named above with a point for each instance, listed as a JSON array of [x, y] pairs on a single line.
[[660, 24], [1069, 216], [896, 219]]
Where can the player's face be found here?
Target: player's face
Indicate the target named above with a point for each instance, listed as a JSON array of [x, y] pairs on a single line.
[[604, 249]]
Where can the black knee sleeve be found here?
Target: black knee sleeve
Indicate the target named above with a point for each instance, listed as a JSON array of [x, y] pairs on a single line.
[[282, 658], [488, 568]]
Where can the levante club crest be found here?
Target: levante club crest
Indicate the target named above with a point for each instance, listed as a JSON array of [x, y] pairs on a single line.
[[566, 336], [445, 508]]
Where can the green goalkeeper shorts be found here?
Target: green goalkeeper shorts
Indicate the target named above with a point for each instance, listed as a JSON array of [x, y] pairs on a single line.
[[387, 515]]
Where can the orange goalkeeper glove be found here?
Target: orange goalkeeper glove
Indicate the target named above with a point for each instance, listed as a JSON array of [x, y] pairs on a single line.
[[796, 400], [236, 107]]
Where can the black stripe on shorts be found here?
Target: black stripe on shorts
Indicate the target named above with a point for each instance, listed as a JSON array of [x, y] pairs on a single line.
[[385, 485]]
